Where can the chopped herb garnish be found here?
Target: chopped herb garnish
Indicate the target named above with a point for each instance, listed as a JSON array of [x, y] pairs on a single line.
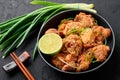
[[92, 59], [105, 41], [84, 30], [74, 30], [67, 63]]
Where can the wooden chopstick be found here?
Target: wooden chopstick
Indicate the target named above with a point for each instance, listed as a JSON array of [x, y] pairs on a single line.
[[22, 67]]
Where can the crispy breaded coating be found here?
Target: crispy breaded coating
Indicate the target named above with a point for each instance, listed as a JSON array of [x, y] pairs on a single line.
[[83, 62], [71, 26], [85, 20], [57, 62], [88, 38], [101, 52], [73, 44], [101, 33], [62, 26]]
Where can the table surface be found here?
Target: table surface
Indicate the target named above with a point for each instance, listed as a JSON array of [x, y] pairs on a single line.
[[109, 9]]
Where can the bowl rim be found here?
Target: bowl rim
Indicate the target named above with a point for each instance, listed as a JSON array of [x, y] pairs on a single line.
[[87, 71]]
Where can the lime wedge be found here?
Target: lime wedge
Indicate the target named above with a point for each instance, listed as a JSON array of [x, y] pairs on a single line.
[[50, 44]]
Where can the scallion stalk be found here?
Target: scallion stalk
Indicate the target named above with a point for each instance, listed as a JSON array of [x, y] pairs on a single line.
[[15, 27], [11, 39], [80, 6], [35, 22], [13, 46], [11, 20], [45, 3], [35, 51]]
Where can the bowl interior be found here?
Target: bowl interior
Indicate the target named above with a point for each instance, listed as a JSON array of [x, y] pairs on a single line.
[[55, 21]]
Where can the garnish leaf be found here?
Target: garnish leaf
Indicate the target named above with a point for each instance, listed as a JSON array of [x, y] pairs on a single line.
[[66, 63], [92, 59]]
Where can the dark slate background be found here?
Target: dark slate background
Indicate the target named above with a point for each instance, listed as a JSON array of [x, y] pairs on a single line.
[[109, 9]]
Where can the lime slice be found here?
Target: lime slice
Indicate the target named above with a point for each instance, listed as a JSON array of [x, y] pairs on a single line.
[[50, 44]]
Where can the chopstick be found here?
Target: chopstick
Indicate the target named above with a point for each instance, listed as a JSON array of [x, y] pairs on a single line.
[[21, 66]]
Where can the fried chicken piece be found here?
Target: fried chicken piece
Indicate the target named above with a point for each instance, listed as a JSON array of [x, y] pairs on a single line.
[[83, 62], [64, 48], [101, 33], [88, 38], [52, 30], [59, 64], [72, 44], [71, 57], [71, 60], [70, 67], [67, 68], [85, 20], [58, 59], [62, 25], [72, 26], [101, 52]]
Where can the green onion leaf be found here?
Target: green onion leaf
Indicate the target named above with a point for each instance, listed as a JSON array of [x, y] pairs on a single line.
[[13, 32], [67, 63], [13, 46], [92, 59], [35, 51], [44, 3]]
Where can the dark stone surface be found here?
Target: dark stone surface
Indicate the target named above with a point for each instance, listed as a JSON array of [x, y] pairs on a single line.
[[109, 9]]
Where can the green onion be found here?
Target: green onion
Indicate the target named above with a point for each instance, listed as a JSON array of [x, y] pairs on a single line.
[[13, 46], [45, 3], [35, 51], [92, 59], [74, 30], [35, 21], [87, 56], [10, 39], [67, 63], [14, 31], [11, 21], [105, 41], [79, 6]]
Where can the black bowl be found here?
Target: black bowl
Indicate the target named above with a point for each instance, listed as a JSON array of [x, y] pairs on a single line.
[[55, 21]]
